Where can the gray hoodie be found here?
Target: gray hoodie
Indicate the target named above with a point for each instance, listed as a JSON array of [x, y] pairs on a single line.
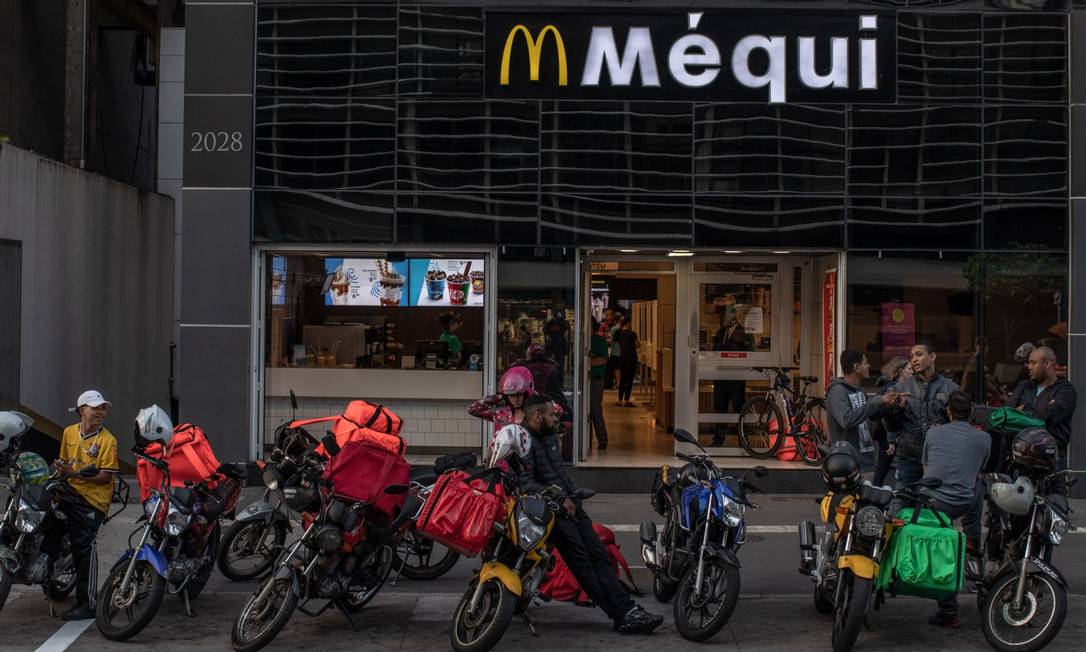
[[849, 414]]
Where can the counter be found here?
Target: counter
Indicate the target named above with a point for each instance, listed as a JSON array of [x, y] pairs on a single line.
[[374, 383]]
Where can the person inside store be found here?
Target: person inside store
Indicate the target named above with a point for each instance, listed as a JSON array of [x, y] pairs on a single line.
[[955, 452], [977, 371], [82, 445], [598, 352], [920, 404], [575, 538], [450, 323], [557, 341], [729, 395], [1047, 396], [547, 379], [893, 371], [614, 357], [850, 413], [629, 344]]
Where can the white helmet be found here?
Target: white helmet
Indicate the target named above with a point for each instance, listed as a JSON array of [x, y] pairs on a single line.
[[511, 439], [154, 425], [1014, 498], [12, 425], [1021, 354]]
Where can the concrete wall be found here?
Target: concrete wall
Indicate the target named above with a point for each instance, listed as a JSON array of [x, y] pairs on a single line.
[[97, 288], [1077, 240], [32, 75]]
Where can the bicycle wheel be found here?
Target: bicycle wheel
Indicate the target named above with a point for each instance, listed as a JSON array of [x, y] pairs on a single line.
[[812, 442], [760, 425]]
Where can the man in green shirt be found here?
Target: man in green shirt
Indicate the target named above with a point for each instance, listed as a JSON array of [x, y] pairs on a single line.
[[597, 354], [450, 323]]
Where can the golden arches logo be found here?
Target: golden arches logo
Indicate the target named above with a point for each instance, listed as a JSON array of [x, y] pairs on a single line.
[[535, 46]]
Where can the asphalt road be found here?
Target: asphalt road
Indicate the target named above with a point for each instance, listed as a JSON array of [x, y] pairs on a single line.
[[774, 612]]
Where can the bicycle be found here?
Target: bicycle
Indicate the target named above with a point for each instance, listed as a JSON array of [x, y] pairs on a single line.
[[761, 419]]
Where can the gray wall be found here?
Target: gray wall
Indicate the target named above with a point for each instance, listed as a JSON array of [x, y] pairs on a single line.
[[97, 290], [32, 74], [1077, 239]]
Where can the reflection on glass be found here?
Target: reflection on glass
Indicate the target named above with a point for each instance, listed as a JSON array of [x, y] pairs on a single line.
[[735, 317]]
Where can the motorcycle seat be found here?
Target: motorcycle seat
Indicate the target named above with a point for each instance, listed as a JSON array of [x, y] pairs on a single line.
[[234, 470], [422, 475]]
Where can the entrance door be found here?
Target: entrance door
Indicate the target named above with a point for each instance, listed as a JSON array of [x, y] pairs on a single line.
[[743, 319]]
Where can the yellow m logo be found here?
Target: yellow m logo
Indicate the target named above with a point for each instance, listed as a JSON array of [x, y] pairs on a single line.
[[535, 45]]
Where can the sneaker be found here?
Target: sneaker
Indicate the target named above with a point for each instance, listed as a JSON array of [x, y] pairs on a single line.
[[78, 612], [950, 621], [602, 446], [638, 621]]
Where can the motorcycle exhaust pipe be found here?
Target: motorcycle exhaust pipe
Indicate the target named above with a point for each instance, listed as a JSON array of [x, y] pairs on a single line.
[[808, 549], [648, 543]]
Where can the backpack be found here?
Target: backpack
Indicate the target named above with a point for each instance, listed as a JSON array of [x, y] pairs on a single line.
[[561, 585], [926, 556], [361, 420], [190, 458]]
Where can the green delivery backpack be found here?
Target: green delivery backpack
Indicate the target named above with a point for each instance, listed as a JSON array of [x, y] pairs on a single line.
[[1006, 418], [926, 557]]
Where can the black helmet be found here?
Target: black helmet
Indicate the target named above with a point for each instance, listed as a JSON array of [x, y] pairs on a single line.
[[692, 474], [1035, 448], [841, 468]]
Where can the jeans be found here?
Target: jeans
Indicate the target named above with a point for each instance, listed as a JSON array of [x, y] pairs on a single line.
[[908, 472], [83, 524], [627, 369], [971, 515], [595, 410], [589, 562]]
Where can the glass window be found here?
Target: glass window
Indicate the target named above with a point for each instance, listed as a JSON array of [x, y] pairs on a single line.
[[1025, 57], [1025, 151], [735, 317], [761, 221], [441, 51], [939, 57]]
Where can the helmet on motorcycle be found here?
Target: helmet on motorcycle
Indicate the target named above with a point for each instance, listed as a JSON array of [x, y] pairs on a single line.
[[692, 474], [33, 467], [1014, 498], [153, 425], [517, 380], [1035, 448], [12, 425], [841, 468], [1021, 354], [511, 439]]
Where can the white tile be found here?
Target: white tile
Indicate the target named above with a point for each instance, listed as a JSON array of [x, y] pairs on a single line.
[[171, 68], [423, 425], [433, 413], [173, 41]]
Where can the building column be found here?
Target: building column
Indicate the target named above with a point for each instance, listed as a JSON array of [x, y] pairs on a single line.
[[1077, 241]]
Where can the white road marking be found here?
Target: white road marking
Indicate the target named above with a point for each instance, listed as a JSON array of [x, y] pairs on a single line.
[[65, 636], [752, 529]]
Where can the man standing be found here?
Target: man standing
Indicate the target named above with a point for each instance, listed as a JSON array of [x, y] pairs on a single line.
[[955, 452], [1049, 397], [573, 533], [83, 445], [729, 395], [597, 360], [850, 411], [921, 400]]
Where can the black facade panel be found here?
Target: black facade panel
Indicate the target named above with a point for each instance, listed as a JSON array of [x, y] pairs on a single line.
[[581, 219], [746, 221], [1078, 145], [1078, 53], [467, 218], [441, 52], [323, 216], [1024, 223], [939, 57], [910, 223], [1025, 57], [1025, 151], [219, 48]]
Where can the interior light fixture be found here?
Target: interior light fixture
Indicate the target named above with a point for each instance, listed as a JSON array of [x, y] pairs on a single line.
[[782, 252], [628, 251], [680, 252], [733, 251]]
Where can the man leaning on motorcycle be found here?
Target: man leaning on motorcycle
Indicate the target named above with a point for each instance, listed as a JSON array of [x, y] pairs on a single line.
[[576, 540]]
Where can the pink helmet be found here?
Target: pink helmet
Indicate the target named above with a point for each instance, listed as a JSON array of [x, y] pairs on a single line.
[[517, 380]]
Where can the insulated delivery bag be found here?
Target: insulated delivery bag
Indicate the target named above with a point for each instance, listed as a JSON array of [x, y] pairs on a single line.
[[363, 469], [190, 458], [461, 510], [926, 556]]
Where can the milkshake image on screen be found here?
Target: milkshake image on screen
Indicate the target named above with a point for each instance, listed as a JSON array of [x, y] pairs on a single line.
[[340, 285], [435, 284], [391, 284], [458, 289], [477, 282]]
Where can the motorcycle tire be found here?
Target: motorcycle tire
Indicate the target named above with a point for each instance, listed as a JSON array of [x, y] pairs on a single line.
[[684, 596], [663, 590], [854, 595], [402, 563], [199, 580], [498, 603], [230, 537], [822, 604], [105, 600], [279, 620], [353, 603], [999, 609], [5, 586]]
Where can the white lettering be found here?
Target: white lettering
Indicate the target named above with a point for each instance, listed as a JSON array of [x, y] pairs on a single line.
[[869, 63], [774, 76], [694, 50], [808, 71], [637, 54]]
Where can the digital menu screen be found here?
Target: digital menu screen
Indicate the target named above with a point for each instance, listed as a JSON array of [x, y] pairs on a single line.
[[412, 282]]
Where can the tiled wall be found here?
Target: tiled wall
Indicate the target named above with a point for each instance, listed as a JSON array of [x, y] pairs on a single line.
[[428, 424]]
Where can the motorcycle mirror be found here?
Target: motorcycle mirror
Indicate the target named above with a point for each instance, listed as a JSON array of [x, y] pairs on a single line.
[[293, 404], [88, 471], [330, 444], [761, 471], [584, 494], [683, 435]]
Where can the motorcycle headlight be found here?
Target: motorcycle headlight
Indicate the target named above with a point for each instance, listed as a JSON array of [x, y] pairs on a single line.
[[271, 478], [869, 521], [176, 521], [733, 513], [327, 538], [28, 519], [529, 533], [150, 506], [1057, 528]]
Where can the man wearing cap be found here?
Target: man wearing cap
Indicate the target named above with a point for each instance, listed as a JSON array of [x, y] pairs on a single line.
[[86, 444]]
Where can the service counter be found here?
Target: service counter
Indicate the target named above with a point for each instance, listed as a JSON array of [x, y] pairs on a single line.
[[421, 384]]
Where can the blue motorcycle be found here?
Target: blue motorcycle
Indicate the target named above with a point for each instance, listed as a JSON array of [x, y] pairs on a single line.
[[694, 558]]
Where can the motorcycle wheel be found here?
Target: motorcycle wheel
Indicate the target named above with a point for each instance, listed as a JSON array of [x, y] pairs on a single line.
[[699, 617], [237, 539], [822, 604], [413, 548], [143, 596], [848, 617], [5, 585], [662, 589], [481, 630], [371, 584], [1043, 610], [207, 565], [260, 622]]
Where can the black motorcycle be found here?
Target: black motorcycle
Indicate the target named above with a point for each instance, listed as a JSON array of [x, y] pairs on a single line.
[[695, 555]]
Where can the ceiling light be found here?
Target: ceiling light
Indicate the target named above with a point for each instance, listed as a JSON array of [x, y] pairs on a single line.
[[733, 251], [628, 251], [680, 252], [782, 252]]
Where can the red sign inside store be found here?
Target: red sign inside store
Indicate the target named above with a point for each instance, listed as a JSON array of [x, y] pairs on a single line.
[[733, 354]]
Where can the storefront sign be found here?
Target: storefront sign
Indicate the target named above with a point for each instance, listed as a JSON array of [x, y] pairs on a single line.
[[812, 57], [829, 327], [898, 328]]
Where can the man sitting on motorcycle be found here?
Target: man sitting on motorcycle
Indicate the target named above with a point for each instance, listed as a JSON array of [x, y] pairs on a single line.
[[82, 445], [955, 453], [581, 548]]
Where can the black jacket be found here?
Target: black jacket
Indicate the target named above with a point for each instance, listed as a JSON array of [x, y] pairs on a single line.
[[1055, 404], [545, 460], [924, 409]]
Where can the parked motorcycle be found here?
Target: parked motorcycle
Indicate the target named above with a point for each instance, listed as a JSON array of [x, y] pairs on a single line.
[[1022, 596], [342, 558], [694, 557], [176, 550]]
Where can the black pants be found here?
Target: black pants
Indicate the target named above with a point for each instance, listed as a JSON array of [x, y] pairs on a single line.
[[83, 524], [627, 369], [884, 460], [728, 398], [971, 514], [609, 373], [591, 565]]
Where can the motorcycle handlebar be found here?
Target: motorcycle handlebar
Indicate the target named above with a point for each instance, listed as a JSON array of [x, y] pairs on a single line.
[[161, 465]]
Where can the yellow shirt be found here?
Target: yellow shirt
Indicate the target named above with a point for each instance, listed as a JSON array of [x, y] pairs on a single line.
[[99, 449]]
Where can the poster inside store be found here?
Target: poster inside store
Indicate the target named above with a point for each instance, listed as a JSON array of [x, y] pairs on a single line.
[[411, 282], [447, 282]]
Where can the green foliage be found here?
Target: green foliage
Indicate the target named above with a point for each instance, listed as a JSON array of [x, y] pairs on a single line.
[[1025, 277]]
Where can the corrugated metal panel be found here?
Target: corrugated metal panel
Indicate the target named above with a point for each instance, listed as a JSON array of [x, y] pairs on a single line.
[[10, 300]]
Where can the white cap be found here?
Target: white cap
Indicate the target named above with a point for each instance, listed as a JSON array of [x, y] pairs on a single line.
[[92, 398]]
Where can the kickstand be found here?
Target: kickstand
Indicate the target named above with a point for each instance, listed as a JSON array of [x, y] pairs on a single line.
[[347, 615], [399, 571], [52, 608], [188, 607], [529, 625]]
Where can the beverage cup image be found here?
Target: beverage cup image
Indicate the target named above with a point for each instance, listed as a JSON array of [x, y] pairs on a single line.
[[340, 286], [458, 289], [477, 284], [435, 285], [391, 289]]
